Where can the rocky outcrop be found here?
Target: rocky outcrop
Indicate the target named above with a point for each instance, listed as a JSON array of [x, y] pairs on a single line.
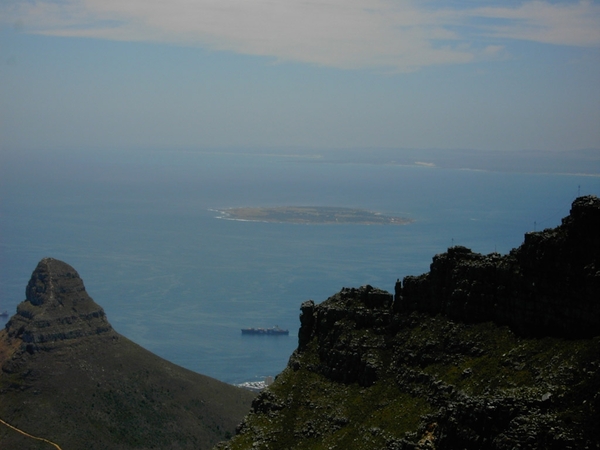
[[57, 308], [550, 285], [483, 352], [67, 376], [366, 378], [334, 327]]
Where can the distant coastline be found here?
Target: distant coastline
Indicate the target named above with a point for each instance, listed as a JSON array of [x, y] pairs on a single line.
[[582, 162], [310, 215]]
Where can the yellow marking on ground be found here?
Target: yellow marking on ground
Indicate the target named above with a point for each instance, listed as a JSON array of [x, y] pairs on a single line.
[[29, 435]]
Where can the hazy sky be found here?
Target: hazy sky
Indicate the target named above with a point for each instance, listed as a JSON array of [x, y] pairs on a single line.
[[491, 75]]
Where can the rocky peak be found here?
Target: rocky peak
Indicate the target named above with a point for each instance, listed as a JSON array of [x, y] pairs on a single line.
[[585, 211], [550, 285], [336, 327], [67, 376], [55, 284], [57, 308]]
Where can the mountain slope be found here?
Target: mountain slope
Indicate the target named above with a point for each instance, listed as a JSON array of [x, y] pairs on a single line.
[[69, 377], [483, 352]]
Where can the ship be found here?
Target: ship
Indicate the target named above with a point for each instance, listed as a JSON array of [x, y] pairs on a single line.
[[4, 314], [273, 331]]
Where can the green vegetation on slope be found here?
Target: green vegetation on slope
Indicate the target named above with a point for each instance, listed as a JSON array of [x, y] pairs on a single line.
[[437, 383], [66, 375], [111, 393]]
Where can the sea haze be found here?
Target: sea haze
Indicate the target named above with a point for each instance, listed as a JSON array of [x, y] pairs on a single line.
[[142, 230]]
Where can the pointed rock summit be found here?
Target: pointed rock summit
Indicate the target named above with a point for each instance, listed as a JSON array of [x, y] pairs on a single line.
[[66, 375], [57, 308]]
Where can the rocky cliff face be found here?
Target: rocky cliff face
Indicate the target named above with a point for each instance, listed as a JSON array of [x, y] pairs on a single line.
[[68, 377], [57, 308], [482, 352], [550, 285]]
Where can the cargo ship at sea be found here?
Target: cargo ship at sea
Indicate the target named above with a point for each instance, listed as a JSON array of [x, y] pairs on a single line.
[[273, 331]]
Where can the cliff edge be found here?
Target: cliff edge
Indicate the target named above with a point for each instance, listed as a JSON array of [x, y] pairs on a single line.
[[550, 285], [483, 352]]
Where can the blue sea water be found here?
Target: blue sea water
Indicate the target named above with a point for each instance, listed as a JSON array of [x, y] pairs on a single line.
[[141, 230]]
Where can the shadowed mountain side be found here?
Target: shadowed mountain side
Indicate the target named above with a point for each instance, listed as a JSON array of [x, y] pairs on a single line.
[[69, 377], [482, 353], [548, 286]]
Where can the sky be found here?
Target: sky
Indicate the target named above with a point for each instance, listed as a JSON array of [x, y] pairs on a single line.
[[84, 75]]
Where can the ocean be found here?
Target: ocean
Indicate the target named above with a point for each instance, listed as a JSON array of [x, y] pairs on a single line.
[[142, 230]]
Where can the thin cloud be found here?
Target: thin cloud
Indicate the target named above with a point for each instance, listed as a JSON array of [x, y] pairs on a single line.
[[576, 24], [400, 35]]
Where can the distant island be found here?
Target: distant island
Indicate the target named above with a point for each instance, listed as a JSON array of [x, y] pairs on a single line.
[[311, 215]]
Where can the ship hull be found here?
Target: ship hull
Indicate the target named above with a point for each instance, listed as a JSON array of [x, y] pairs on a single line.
[[275, 331]]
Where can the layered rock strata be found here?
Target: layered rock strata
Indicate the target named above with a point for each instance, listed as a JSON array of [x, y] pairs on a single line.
[[550, 285], [67, 376], [57, 308]]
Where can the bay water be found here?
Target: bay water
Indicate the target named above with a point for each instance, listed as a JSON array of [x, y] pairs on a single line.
[[142, 230]]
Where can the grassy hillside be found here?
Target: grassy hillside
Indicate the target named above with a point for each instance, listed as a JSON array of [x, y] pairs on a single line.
[[434, 383], [68, 377]]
